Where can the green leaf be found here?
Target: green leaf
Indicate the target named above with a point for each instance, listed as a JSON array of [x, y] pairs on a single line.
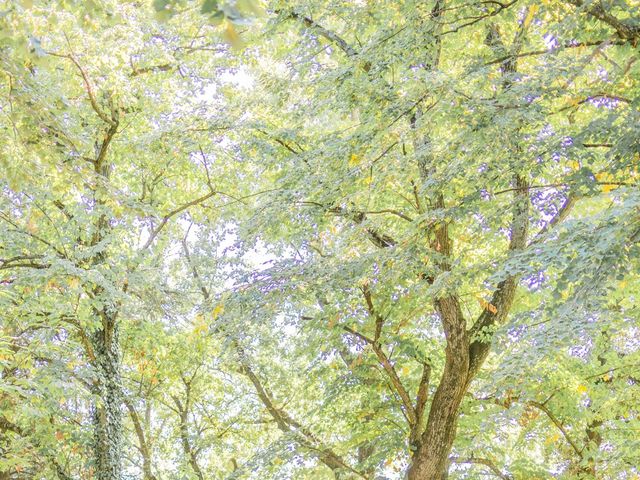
[[209, 6]]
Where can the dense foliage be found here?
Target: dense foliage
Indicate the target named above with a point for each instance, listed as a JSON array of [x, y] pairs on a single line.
[[319, 239]]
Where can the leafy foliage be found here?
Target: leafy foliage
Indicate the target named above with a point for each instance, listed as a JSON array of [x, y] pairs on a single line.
[[319, 239]]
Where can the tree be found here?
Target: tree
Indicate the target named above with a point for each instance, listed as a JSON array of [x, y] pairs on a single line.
[[379, 149], [319, 239], [84, 206]]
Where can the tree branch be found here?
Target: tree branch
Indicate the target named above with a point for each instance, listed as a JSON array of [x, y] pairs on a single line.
[[154, 233], [328, 34], [558, 218], [628, 29], [503, 296], [486, 462], [558, 424]]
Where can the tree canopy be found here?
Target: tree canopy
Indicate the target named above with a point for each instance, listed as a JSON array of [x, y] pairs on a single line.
[[319, 239]]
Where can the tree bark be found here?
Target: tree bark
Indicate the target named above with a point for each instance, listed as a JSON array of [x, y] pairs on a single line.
[[143, 445], [107, 413], [183, 412], [431, 458], [465, 350]]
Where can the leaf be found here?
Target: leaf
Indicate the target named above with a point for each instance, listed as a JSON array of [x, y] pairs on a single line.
[[161, 5], [487, 306], [209, 6], [217, 310], [32, 226], [552, 439], [231, 36], [533, 9], [605, 177]]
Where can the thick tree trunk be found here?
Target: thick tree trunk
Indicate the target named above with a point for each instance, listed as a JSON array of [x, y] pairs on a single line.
[[107, 413], [431, 458]]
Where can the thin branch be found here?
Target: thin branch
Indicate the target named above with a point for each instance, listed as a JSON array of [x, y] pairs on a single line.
[[328, 34], [383, 360], [362, 337], [558, 424], [553, 50], [168, 216], [486, 462], [22, 261], [501, 7], [165, 67], [628, 29], [558, 218], [92, 99], [590, 98]]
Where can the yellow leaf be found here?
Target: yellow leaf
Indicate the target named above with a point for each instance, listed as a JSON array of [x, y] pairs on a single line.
[[231, 36], [604, 177], [552, 439], [530, 14], [217, 311], [32, 226], [487, 306]]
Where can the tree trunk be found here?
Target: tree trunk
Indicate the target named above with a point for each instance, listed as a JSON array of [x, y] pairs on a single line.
[[107, 413], [143, 445], [431, 458], [183, 412]]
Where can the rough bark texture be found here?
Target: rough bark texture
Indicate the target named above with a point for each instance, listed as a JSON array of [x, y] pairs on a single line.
[[105, 347], [107, 413], [465, 351], [431, 458]]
